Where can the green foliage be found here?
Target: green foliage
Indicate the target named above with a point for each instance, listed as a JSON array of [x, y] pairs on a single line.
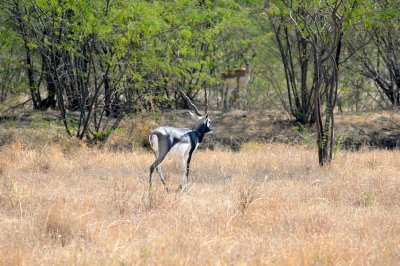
[[305, 135], [174, 40], [11, 123], [142, 49], [39, 121], [12, 80], [366, 199], [145, 49]]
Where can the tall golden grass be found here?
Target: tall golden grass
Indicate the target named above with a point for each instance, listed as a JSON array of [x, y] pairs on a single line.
[[268, 204]]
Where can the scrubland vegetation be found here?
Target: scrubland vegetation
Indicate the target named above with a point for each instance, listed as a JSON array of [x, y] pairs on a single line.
[[304, 97], [268, 204]]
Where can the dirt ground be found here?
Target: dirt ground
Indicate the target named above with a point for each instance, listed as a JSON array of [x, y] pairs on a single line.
[[232, 129]]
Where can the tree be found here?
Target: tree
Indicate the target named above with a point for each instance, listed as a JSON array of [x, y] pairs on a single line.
[[379, 39], [81, 62], [322, 25], [12, 80], [295, 50], [98, 60]]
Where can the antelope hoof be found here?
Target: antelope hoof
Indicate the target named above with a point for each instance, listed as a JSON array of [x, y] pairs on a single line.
[[180, 188]]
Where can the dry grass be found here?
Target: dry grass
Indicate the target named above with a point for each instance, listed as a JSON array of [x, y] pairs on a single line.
[[268, 204]]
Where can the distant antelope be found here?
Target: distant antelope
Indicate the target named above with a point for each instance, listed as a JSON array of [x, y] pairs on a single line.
[[233, 80], [181, 142]]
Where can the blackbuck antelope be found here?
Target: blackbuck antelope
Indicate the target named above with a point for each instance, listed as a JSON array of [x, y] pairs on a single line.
[[181, 142], [233, 80]]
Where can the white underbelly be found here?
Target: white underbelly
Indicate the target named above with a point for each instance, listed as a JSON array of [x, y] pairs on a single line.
[[179, 150]]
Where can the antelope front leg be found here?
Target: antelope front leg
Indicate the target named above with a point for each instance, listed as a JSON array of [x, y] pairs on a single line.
[[185, 178]]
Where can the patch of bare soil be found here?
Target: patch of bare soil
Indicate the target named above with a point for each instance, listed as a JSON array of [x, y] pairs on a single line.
[[376, 129], [234, 128]]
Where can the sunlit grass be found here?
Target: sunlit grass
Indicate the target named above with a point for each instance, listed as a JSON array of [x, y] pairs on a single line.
[[268, 204]]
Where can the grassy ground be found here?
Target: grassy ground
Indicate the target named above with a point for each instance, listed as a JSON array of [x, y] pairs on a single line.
[[271, 204]]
